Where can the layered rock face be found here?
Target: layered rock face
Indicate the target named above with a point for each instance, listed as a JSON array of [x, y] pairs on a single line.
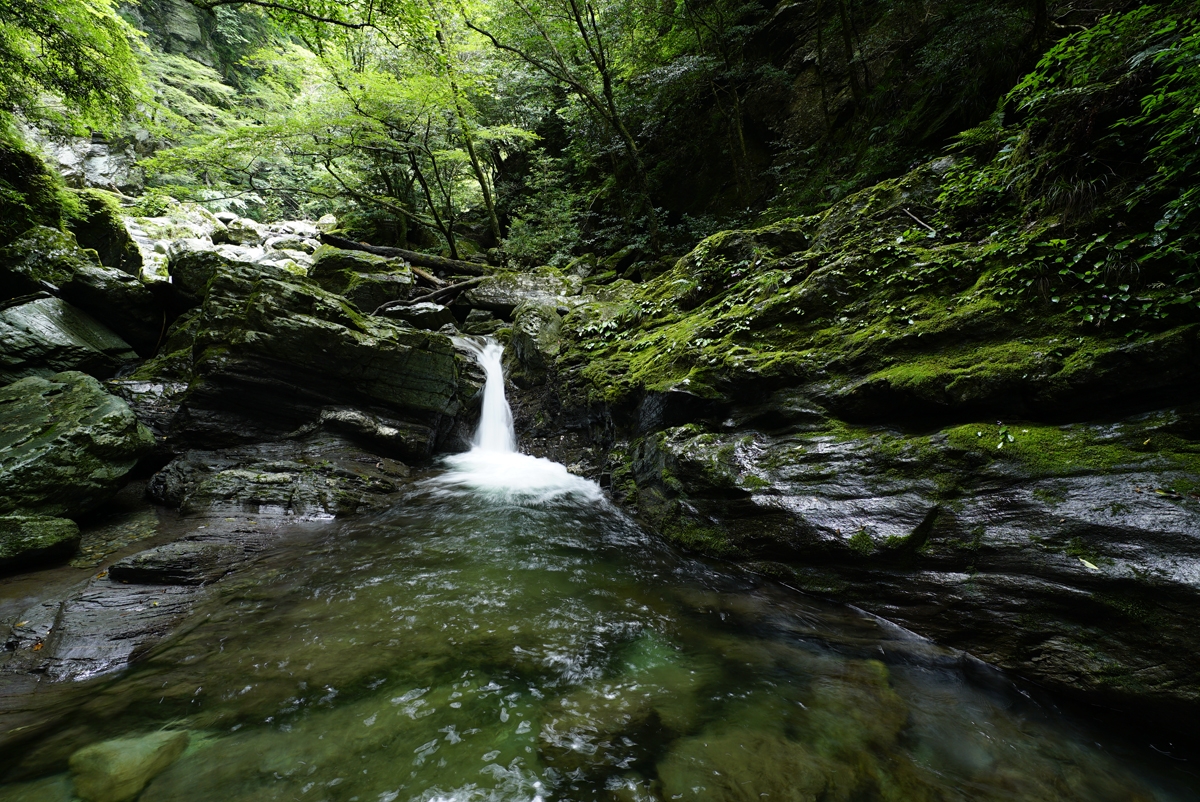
[[864, 409]]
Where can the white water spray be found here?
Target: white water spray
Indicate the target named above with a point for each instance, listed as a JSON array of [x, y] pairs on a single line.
[[494, 467]]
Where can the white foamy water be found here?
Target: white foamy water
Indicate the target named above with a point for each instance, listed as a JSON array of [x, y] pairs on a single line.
[[494, 467]]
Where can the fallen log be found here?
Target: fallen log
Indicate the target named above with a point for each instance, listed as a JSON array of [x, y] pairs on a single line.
[[435, 296], [421, 259]]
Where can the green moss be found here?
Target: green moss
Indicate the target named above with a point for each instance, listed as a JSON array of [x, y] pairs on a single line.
[[862, 542], [705, 539]]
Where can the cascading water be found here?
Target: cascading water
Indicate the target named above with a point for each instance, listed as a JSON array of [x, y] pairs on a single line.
[[495, 432], [494, 466]]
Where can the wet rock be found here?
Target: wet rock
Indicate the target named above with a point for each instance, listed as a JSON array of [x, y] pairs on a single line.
[[536, 337], [191, 271], [48, 259], [273, 351], [28, 540], [364, 279], [1060, 552], [40, 336], [121, 302], [185, 563], [118, 770], [482, 323], [425, 315], [317, 477], [66, 445], [503, 292]]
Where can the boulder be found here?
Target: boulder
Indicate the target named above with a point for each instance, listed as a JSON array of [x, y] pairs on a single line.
[[327, 222], [120, 301], [503, 292], [364, 279], [27, 540], [319, 476], [536, 337], [241, 231], [43, 258], [102, 229], [272, 350], [49, 259], [425, 315], [118, 770], [43, 335], [66, 445]]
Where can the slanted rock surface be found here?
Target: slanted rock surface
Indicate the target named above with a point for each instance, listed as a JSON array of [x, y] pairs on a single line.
[[43, 335], [272, 350], [118, 770], [66, 445]]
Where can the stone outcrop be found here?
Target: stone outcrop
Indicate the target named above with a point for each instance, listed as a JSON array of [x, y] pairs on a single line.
[[42, 335], [66, 445]]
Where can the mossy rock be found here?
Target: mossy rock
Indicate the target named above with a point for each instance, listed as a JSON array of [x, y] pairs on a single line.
[[43, 258], [30, 193], [101, 227], [29, 540], [45, 335], [66, 445], [366, 280]]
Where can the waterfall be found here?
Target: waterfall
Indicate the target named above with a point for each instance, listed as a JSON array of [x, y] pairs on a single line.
[[495, 432], [493, 466]]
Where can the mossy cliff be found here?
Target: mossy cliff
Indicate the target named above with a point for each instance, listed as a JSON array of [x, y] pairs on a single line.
[[956, 399]]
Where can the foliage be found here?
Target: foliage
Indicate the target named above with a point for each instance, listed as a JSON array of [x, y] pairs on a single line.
[[1127, 231], [79, 51]]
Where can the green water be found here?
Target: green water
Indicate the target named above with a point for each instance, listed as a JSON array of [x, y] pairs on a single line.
[[469, 647]]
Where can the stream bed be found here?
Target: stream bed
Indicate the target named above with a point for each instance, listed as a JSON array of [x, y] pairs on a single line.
[[505, 633], [479, 642]]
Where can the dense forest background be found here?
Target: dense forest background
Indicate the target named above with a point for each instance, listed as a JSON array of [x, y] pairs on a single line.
[[625, 131]]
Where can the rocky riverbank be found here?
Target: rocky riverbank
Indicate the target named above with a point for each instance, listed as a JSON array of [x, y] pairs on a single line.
[[832, 400]]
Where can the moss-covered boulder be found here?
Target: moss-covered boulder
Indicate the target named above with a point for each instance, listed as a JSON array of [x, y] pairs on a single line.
[[66, 445], [30, 193], [536, 337], [273, 350], [100, 226], [364, 279], [40, 336], [49, 259], [42, 258], [28, 540]]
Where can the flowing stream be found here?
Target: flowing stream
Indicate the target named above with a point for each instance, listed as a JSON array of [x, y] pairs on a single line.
[[507, 634]]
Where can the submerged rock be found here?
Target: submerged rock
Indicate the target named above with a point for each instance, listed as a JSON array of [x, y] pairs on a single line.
[[118, 770], [27, 540], [66, 445]]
